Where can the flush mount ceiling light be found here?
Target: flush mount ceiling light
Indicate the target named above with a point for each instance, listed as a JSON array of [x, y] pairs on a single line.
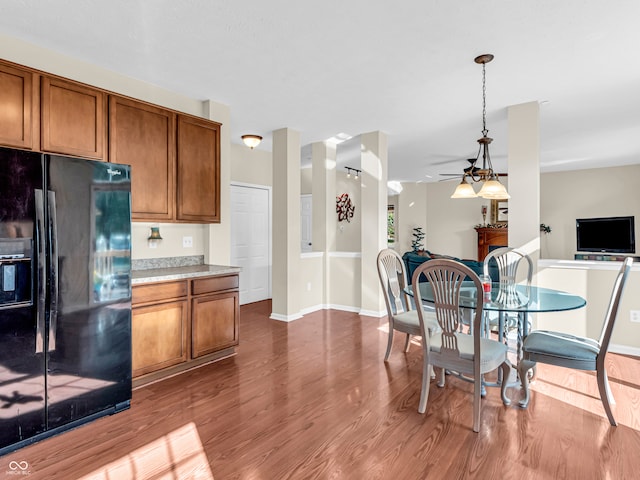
[[491, 186], [251, 141]]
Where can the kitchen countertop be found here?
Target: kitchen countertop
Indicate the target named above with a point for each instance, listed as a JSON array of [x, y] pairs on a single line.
[[180, 273]]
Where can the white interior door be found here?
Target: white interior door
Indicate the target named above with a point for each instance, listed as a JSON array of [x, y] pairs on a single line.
[[251, 240], [305, 223]]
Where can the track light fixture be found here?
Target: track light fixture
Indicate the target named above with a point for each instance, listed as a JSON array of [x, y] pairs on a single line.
[[354, 171]]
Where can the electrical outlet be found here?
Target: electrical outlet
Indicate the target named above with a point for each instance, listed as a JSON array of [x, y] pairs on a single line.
[[635, 316], [187, 242], [308, 286]]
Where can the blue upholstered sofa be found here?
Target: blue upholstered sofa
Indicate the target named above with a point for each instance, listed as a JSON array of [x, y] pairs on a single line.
[[412, 260]]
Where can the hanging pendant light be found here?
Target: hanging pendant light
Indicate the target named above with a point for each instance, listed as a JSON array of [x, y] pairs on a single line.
[[491, 187], [464, 189]]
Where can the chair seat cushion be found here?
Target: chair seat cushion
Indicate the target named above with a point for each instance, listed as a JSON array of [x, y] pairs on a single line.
[[409, 321], [492, 353], [561, 345]]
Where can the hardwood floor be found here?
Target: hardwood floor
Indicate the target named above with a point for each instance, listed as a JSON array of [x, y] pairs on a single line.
[[313, 399]]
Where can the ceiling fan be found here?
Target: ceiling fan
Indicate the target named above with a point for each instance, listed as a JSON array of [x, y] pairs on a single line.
[[474, 171]]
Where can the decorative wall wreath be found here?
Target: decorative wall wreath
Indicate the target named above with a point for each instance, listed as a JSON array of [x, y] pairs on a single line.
[[344, 207]]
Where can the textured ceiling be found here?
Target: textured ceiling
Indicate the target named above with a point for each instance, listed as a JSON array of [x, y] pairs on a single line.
[[354, 66]]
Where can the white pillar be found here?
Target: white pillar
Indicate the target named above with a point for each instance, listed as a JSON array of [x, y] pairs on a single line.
[[286, 224], [524, 177], [373, 197], [323, 158]]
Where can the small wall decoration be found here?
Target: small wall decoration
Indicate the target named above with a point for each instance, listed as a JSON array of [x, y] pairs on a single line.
[[344, 207], [499, 212]]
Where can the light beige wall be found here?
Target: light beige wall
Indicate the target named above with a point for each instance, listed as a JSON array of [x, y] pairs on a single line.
[[450, 221], [345, 282], [601, 192], [306, 181], [251, 166], [310, 286], [171, 243], [593, 281], [411, 212], [348, 233], [49, 61]]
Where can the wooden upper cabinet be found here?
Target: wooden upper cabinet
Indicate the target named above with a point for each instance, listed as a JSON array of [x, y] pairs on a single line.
[[198, 170], [143, 136], [17, 105], [73, 119]]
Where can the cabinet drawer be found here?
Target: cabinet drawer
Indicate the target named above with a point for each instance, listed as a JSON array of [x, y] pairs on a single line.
[[214, 284], [159, 291]]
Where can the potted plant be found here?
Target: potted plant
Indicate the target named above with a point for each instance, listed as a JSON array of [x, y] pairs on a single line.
[[418, 237]]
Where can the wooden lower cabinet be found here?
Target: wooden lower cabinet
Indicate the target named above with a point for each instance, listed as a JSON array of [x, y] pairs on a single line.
[[214, 322], [158, 336], [178, 325]]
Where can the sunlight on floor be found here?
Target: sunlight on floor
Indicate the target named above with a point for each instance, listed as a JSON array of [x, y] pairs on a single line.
[[580, 390], [176, 456]]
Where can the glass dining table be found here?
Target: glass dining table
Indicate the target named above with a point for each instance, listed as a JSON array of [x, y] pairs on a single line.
[[521, 301]]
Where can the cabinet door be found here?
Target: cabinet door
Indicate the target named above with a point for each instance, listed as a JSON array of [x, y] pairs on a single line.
[[143, 136], [16, 104], [198, 183], [158, 336], [73, 119], [214, 323]]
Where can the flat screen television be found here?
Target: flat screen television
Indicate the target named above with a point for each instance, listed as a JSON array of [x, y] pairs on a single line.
[[606, 235]]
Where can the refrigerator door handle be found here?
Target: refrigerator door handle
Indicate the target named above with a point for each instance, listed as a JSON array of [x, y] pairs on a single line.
[[53, 278], [41, 271]]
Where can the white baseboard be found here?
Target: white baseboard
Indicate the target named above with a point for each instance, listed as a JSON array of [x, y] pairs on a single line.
[[314, 308], [344, 308], [371, 313], [285, 318], [624, 350]]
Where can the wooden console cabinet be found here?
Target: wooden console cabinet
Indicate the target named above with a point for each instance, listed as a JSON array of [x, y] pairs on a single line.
[[178, 325], [491, 237]]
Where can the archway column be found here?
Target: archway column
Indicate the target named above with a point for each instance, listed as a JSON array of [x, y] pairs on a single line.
[[373, 197], [286, 225]]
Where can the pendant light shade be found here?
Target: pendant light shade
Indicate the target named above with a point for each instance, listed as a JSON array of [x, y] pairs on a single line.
[[493, 190], [464, 190]]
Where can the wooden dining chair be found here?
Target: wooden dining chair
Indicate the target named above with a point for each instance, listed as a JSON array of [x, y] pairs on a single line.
[[468, 354], [579, 353], [403, 318]]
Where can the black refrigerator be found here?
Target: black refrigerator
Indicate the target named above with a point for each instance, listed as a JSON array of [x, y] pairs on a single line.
[[65, 294]]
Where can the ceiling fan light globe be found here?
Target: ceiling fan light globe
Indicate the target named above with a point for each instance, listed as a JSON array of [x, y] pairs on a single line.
[[493, 190], [464, 190]]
